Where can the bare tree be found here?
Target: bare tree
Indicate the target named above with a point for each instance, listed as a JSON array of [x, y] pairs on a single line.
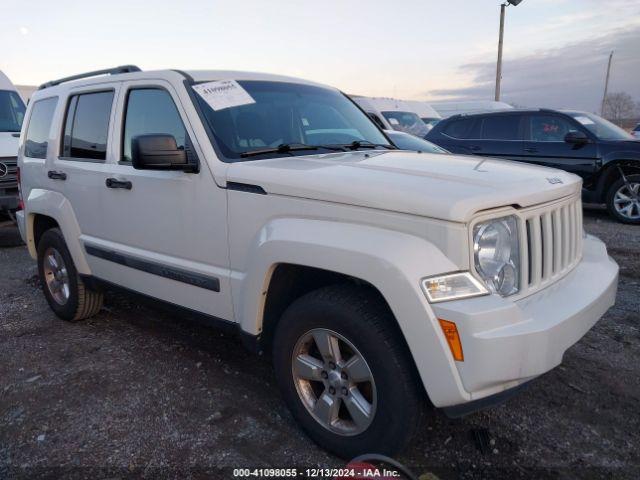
[[619, 107]]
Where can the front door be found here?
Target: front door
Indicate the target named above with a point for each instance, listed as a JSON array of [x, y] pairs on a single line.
[[164, 232], [545, 145]]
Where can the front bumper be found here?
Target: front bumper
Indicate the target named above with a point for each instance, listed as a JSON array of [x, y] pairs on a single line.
[[506, 342], [8, 201]]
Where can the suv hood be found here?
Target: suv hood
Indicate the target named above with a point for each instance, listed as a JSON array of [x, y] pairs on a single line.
[[448, 187], [8, 144]]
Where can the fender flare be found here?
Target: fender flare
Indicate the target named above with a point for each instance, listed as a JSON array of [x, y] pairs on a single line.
[[610, 170], [393, 262], [57, 206]]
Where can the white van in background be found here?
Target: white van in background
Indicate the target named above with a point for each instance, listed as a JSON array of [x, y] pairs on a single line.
[[393, 114], [11, 115], [449, 109], [425, 111]]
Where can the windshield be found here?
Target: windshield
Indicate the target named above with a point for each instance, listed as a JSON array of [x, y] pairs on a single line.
[[405, 141], [290, 119], [11, 111], [601, 128], [407, 122]]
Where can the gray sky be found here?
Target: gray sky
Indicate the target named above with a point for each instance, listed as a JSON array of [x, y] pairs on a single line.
[[555, 50]]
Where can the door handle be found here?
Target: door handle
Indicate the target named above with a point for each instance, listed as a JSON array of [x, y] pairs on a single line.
[[531, 150], [53, 175], [115, 183], [475, 148]]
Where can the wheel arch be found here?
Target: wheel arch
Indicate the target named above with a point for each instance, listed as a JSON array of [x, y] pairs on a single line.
[[47, 209], [611, 172], [288, 282], [389, 262]]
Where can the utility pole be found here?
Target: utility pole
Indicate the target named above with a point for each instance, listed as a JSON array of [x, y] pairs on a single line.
[[606, 85], [500, 41]]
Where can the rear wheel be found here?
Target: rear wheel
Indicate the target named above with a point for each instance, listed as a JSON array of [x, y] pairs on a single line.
[[63, 288], [346, 373], [623, 199]]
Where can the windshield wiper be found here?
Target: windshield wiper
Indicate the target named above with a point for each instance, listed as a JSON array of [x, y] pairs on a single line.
[[367, 144], [291, 147]]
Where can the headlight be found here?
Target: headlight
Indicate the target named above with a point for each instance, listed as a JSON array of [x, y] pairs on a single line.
[[452, 286], [496, 252]]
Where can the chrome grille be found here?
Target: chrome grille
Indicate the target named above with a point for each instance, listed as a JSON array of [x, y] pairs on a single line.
[[551, 243], [9, 180]]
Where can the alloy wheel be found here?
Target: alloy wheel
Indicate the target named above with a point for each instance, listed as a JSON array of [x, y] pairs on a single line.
[[627, 200], [334, 382], [56, 276]]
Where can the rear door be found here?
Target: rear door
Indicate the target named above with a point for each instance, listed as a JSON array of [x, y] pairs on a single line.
[[545, 145], [500, 135], [80, 163]]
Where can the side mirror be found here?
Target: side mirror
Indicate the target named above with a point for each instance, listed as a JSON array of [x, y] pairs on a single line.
[[576, 137], [159, 152]]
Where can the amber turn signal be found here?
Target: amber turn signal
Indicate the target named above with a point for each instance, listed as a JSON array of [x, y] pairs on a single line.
[[453, 339]]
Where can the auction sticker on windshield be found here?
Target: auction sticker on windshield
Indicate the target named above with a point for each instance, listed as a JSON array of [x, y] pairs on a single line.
[[223, 94]]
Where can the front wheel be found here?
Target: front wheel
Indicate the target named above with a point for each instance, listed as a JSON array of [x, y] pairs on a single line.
[[623, 200], [346, 373]]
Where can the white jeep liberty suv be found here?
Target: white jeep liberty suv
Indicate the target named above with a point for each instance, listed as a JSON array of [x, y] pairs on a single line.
[[375, 278]]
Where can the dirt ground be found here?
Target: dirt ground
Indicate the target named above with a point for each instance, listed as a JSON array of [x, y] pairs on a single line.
[[138, 392]]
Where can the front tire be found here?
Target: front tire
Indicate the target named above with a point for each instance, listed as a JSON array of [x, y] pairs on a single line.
[[66, 293], [623, 200], [345, 372]]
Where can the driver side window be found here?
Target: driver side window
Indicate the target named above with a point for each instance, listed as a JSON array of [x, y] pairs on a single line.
[[151, 111], [549, 128]]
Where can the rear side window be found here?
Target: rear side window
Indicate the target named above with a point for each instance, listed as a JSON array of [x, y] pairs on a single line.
[[87, 126], [462, 129], [151, 111], [501, 127], [36, 139]]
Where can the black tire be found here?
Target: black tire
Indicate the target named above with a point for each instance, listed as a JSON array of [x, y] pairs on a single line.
[[609, 200], [363, 318], [82, 302]]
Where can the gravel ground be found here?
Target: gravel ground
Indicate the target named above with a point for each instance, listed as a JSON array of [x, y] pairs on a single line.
[[138, 392]]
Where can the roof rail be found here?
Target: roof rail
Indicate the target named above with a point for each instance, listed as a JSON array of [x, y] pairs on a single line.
[[106, 71]]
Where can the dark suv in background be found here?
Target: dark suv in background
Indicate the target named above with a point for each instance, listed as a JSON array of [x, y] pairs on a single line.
[[604, 155]]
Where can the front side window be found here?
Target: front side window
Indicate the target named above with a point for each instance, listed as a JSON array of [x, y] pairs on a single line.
[[36, 140], [151, 111], [286, 116], [501, 127], [407, 122], [87, 126], [11, 111], [549, 128], [376, 119]]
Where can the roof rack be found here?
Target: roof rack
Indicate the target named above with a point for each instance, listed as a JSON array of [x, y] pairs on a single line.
[[106, 71]]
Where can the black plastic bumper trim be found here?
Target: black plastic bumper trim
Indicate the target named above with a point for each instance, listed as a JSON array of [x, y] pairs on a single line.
[[457, 411]]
